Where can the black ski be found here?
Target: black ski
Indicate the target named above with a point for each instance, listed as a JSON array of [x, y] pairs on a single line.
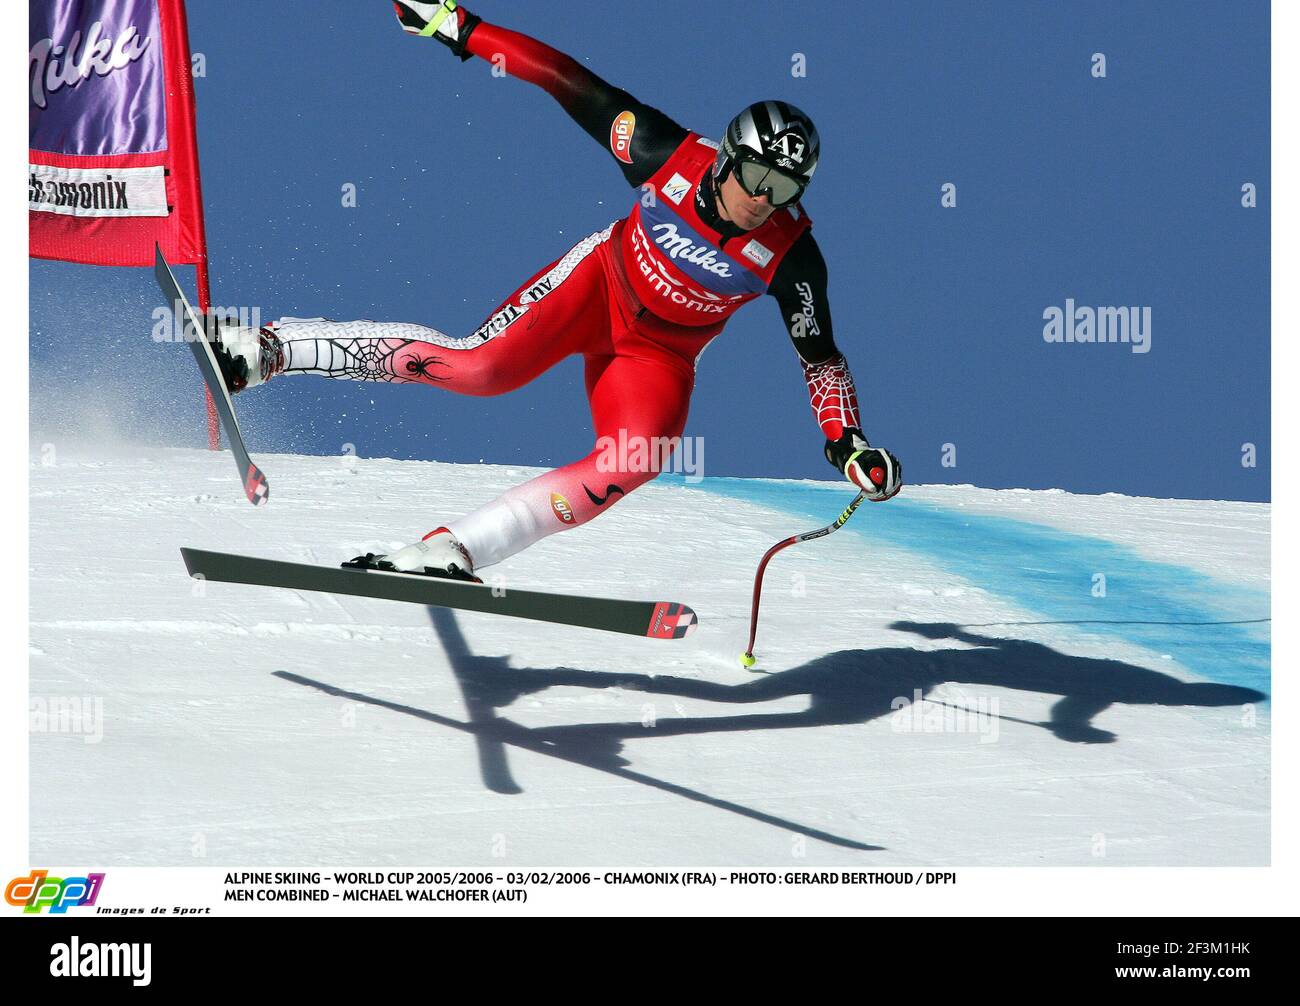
[[256, 487], [654, 619]]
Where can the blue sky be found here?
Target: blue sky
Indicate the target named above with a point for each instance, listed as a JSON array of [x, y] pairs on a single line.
[[1121, 191]]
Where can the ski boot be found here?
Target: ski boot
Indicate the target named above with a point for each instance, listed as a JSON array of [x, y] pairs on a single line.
[[245, 356], [437, 554]]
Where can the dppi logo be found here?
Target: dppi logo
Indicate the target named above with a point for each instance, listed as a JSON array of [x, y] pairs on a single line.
[[38, 891]]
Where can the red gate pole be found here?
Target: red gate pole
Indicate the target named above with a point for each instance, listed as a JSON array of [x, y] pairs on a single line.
[[205, 305], [185, 82]]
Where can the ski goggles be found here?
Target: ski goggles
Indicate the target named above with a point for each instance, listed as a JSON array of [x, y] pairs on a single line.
[[758, 178]]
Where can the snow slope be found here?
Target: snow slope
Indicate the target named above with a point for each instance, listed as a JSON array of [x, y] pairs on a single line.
[[255, 727]]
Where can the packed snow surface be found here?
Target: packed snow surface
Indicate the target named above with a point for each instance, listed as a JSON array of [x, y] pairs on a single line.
[[958, 677]]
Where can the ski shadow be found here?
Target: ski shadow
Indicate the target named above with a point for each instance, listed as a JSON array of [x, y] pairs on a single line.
[[844, 688], [481, 680]]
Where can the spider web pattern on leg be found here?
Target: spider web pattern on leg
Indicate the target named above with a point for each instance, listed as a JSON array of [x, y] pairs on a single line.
[[364, 350], [360, 359], [832, 395]]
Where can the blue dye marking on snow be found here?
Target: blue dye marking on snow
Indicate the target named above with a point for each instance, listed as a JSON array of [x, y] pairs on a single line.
[[1165, 608]]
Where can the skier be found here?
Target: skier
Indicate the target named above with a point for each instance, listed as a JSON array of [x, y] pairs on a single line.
[[717, 225]]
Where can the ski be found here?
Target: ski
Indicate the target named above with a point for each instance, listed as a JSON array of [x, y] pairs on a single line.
[[652, 619], [256, 487]]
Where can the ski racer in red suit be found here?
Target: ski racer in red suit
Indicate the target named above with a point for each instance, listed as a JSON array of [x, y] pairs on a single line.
[[715, 226]]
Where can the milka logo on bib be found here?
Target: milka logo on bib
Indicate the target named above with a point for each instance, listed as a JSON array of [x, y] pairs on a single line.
[[679, 247], [98, 55]]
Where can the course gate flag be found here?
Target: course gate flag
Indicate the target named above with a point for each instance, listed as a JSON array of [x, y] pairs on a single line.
[[113, 162]]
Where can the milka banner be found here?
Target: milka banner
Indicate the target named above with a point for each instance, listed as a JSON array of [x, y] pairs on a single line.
[[113, 165]]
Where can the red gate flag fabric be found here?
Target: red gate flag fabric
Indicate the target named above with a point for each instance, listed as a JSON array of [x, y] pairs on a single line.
[[113, 160]]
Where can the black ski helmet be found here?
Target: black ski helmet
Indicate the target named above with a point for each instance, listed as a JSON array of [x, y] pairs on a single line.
[[775, 133]]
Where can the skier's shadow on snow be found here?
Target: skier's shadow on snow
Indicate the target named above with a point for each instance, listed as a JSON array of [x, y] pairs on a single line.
[[482, 680], [855, 686], [848, 687]]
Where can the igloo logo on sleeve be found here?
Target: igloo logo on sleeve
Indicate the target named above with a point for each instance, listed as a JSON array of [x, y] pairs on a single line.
[[620, 136]]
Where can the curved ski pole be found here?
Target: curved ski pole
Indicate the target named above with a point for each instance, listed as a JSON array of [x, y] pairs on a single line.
[[747, 658]]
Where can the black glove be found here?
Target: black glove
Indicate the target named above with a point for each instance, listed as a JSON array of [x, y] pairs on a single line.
[[873, 470], [447, 21]]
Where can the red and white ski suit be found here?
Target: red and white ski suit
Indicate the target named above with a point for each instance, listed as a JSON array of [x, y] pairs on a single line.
[[639, 301]]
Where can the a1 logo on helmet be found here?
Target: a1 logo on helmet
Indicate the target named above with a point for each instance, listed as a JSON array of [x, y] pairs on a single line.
[[789, 149]]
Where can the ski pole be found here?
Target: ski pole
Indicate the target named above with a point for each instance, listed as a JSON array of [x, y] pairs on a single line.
[[747, 658]]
